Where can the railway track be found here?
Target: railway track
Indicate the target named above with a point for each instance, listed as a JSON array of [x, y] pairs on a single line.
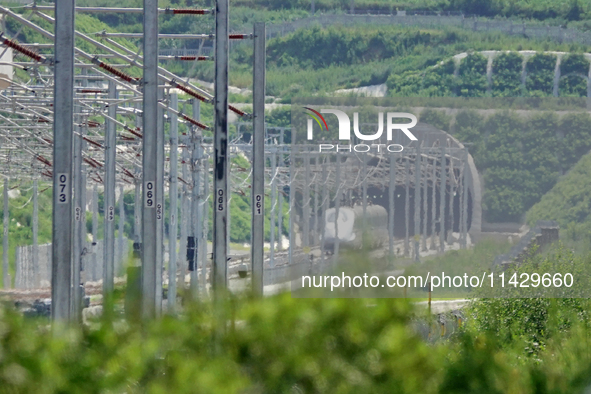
[[304, 263]]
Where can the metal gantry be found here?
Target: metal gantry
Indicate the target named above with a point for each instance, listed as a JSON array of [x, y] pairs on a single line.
[[115, 150], [97, 121]]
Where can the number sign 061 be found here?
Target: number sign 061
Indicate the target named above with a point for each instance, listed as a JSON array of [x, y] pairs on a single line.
[[258, 204]]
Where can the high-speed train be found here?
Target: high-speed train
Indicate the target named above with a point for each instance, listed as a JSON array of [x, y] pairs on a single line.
[[356, 230]]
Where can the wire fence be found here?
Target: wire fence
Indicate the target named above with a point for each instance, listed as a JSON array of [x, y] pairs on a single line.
[[34, 273], [424, 19], [205, 51]]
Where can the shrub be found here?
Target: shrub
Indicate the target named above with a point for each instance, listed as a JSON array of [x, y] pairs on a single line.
[[436, 118], [540, 75], [278, 344], [573, 70], [506, 78], [472, 80]]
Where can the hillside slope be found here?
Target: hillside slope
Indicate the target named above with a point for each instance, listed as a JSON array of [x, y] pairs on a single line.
[[568, 202], [553, 11]]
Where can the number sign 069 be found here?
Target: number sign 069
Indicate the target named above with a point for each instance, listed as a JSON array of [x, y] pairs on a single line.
[[149, 194]]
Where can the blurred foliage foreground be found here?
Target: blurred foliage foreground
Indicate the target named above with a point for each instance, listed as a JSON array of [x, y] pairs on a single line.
[[286, 345]]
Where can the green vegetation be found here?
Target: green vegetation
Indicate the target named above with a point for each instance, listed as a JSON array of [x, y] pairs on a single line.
[[21, 219], [473, 261], [520, 146], [540, 76], [319, 61], [534, 323], [507, 72], [456, 262], [472, 76], [282, 344], [568, 202], [520, 157], [316, 60], [506, 81], [86, 24], [21, 214], [554, 11], [573, 10], [21, 207], [312, 61], [574, 69], [436, 118]]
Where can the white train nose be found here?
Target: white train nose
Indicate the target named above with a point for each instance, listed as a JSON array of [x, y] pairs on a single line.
[[345, 223], [353, 222]]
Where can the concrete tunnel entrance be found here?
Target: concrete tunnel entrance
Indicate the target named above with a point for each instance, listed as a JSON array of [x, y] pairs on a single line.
[[452, 217]]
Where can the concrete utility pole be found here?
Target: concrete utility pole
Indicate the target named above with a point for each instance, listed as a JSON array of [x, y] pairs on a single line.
[[229, 211], [184, 219], [257, 226], [324, 208], [150, 129], [291, 204], [220, 174], [5, 275], [433, 202], [137, 211], [465, 201], [121, 230], [363, 157], [173, 195], [36, 232], [76, 299], [425, 187], [83, 243], [137, 203], [461, 204], [337, 205], [281, 163], [316, 239], [273, 205], [61, 274], [196, 218], [196, 227], [95, 272], [442, 194], [205, 228], [305, 201], [159, 203], [407, 205], [452, 197], [417, 227], [109, 196], [391, 195]]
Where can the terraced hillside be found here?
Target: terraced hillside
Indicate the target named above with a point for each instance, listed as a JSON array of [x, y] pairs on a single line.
[[520, 154], [500, 74], [413, 61], [548, 10]]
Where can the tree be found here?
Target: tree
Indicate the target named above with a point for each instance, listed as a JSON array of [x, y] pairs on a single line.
[[575, 11]]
